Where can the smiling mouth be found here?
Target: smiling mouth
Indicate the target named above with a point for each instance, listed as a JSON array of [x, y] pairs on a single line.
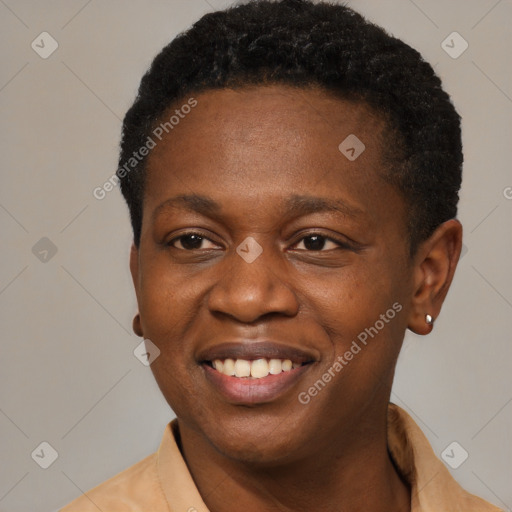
[[254, 372], [253, 369]]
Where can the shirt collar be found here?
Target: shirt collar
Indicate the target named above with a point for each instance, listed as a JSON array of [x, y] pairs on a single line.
[[433, 489], [175, 479]]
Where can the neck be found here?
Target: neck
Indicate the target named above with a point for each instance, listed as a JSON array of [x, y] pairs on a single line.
[[352, 472]]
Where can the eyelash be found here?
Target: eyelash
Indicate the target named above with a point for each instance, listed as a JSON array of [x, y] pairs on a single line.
[[339, 243]]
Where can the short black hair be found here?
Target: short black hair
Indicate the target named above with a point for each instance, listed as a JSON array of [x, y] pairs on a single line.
[[303, 43]]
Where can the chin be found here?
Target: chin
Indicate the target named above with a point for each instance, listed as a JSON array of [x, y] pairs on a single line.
[[272, 443], [257, 456]]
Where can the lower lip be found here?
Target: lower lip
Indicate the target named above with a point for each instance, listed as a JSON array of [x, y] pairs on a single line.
[[250, 391]]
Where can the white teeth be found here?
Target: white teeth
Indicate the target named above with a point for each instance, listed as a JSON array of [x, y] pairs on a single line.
[[275, 366], [259, 368], [229, 367], [287, 365], [256, 369], [242, 368]]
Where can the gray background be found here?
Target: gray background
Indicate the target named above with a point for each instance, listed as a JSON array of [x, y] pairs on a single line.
[[68, 373]]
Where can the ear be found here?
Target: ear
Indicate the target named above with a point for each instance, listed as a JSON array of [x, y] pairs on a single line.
[[134, 269], [134, 266], [434, 268]]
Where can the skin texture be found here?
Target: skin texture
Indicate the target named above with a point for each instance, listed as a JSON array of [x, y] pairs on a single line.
[[249, 150]]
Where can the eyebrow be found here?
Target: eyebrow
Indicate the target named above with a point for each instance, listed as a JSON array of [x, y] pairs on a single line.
[[295, 205], [303, 205], [192, 202]]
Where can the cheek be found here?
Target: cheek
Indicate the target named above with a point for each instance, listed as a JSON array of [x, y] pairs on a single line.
[[167, 299], [361, 312], [178, 388], [164, 319], [350, 299]]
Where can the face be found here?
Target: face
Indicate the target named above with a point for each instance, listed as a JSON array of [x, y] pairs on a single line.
[[266, 251]]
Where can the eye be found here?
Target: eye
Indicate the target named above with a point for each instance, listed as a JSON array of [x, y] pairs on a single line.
[[191, 241], [318, 242]]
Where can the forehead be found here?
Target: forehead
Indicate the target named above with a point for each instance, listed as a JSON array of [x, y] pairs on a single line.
[[238, 115], [292, 126], [267, 144]]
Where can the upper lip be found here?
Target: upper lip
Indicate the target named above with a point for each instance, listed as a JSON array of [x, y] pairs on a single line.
[[251, 350]]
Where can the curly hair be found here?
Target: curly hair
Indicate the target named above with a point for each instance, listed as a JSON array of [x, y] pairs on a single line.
[[303, 43]]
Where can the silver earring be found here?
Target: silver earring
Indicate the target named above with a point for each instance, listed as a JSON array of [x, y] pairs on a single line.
[[429, 319]]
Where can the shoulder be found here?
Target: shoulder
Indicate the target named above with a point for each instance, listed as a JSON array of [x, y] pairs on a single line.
[[133, 490], [432, 485]]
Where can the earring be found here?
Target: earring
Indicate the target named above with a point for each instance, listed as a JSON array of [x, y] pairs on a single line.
[[429, 320]]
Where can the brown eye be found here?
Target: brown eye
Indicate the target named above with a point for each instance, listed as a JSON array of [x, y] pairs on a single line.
[[190, 242], [316, 242]]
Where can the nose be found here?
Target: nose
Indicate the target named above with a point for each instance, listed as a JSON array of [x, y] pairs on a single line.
[[249, 291]]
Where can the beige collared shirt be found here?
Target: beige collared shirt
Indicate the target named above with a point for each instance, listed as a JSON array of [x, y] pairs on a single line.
[[162, 483]]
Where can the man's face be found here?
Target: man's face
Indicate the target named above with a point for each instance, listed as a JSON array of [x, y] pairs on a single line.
[[256, 169]]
